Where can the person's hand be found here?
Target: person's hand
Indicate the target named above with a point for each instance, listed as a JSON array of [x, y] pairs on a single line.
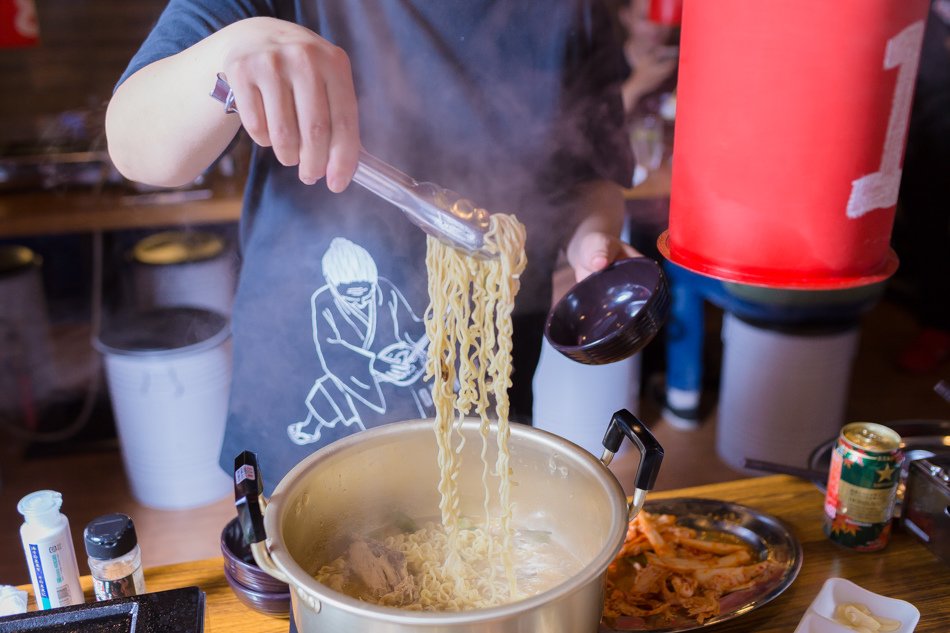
[[594, 251], [391, 369], [652, 66], [294, 92], [650, 69], [401, 363]]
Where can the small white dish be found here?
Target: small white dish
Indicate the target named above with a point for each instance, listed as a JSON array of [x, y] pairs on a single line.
[[819, 617], [813, 623]]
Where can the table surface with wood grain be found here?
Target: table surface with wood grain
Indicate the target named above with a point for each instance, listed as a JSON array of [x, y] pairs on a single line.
[[30, 214], [905, 569]]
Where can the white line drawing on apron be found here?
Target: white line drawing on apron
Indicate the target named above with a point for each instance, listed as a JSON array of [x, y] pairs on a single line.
[[365, 334]]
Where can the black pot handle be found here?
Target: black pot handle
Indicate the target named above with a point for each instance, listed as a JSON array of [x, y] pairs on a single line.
[[249, 497], [625, 424]]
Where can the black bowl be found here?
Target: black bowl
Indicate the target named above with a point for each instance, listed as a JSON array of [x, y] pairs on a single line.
[[612, 314], [269, 603], [239, 563]]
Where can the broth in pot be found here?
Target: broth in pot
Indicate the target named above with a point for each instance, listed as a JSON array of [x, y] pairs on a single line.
[[403, 566]]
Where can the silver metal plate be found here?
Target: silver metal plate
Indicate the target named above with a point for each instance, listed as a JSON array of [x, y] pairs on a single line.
[[765, 534]]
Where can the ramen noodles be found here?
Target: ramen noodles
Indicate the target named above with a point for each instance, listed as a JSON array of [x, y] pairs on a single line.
[[463, 563], [405, 568]]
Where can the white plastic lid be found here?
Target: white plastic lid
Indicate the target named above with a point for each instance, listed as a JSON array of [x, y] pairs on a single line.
[[40, 507]]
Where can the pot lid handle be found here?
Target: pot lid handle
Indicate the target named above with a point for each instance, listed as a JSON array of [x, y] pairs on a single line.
[[249, 497]]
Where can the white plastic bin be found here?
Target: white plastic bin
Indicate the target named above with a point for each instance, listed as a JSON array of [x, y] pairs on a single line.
[[184, 268], [782, 393], [169, 376], [577, 401], [26, 362]]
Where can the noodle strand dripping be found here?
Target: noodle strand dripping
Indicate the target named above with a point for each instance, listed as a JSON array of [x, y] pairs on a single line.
[[469, 320]]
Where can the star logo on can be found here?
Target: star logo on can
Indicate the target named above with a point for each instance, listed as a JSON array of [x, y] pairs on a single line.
[[885, 473]]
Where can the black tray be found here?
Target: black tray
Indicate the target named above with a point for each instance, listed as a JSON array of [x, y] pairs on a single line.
[[174, 611]]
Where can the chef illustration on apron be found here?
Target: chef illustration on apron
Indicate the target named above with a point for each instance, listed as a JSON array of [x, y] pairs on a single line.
[[366, 335]]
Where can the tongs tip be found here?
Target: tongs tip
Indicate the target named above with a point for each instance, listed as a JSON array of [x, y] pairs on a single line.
[[440, 212]]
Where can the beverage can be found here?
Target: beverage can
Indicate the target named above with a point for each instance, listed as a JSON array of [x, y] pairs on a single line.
[[862, 486]]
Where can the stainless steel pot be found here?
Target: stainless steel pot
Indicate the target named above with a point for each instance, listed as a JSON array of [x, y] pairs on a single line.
[[360, 483]]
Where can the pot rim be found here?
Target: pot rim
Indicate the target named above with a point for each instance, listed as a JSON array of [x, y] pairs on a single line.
[[308, 586]]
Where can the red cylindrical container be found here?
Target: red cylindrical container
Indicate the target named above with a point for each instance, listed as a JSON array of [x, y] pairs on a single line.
[[18, 24], [790, 130], [669, 12]]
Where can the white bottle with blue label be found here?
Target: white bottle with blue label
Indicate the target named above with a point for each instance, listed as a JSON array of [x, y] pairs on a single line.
[[48, 546]]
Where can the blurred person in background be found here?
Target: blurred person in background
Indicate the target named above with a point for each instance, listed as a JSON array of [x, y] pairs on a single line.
[[651, 52], [922, 228], [649, 96], [514, 105]]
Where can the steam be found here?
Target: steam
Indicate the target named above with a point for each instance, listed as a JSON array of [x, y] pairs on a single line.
[[517, 144]]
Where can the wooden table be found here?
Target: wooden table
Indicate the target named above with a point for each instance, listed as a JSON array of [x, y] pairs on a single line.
[[62, 212], [58, 212], [905, 569]]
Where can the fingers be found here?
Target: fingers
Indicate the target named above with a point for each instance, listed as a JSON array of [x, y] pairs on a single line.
[[314, 120], [667, 66], [593, 254], [250, 108], [267, 107], [399, 372], [281, 116], [329, 121], [625, 251], [596, 251], [295, 94], [344, 124]]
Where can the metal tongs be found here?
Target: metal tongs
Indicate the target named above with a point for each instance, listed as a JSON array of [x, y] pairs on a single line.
[[440, 212]]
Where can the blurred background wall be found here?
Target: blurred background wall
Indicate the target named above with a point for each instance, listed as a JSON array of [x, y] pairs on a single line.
[[84, 45]]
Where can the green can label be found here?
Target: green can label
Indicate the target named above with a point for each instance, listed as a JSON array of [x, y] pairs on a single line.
[[862, 486]]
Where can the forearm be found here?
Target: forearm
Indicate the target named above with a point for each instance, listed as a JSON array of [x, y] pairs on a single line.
[[631, 91], [162, 127], [596, 239]]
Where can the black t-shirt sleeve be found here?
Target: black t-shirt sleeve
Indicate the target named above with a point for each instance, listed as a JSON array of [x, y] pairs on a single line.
[[184, 23]]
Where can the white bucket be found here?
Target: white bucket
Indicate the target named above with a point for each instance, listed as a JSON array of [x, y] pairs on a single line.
[[26, 361], [781, 394], [169, 376], [184, 268], [577, 401]]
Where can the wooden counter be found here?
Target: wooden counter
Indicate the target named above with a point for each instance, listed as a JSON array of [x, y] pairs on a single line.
[[61, 212], [57, 212], [905, 569]]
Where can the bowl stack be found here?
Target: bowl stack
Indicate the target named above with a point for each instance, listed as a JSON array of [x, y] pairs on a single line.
[[252, 585]]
